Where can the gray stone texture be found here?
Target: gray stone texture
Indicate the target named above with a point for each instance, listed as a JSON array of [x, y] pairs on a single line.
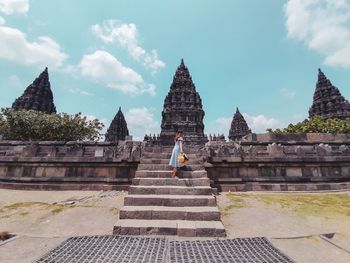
[[239, 127], [68, 165], [118, 129], [164, 206], [37, 96], [328, 101], [288, 162], [261, 161], [182, 111]]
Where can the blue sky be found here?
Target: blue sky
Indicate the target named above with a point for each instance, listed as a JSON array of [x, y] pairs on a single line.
[[261, 56]]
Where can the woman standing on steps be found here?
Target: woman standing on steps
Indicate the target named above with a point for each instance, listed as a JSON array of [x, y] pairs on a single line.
[[174, 162]]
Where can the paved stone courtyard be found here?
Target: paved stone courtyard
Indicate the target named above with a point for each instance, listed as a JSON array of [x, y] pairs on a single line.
[[293, 223], [124, 249]]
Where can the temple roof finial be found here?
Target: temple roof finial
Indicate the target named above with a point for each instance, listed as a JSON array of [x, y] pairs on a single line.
[[182, 64]]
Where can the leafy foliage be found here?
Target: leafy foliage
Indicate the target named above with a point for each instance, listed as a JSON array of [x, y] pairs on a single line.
[[317, 124], [35, 125]]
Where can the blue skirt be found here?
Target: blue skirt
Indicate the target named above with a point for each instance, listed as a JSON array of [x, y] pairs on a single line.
[[174, 162]]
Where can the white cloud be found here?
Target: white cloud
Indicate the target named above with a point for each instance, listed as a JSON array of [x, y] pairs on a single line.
[[15, 82], [323, 25], [141, 121], [14, 6], [257, 124], [91, 117], [260, 123], [104, 68], [15, 47], [126, 36], [85, 93], [79, 92], [2, 21], [288, 93], [224, 124]]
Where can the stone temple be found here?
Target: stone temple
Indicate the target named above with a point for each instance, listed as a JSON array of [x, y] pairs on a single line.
[[37, 96], [158, 204], [118, 129], [327, 100], [183, 111], [239, 127]]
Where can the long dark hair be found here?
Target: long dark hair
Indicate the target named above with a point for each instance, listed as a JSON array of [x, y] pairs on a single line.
[[178, 135]]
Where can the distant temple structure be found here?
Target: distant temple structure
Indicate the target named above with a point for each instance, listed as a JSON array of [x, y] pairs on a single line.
[[327, 100], [37, 96], [118, 130], [239, 127], [183, 111]]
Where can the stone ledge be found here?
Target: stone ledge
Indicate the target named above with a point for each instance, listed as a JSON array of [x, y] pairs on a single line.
[[300, 187], [298, 137], [63, 186]]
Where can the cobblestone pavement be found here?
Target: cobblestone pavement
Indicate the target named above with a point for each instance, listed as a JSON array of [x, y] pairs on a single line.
[[123, 249]]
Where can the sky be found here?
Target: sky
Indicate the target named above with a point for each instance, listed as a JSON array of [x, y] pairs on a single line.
[[260, 56]]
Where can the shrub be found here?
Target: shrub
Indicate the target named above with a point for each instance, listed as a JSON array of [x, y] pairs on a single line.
[[317, 124], [35, 125]]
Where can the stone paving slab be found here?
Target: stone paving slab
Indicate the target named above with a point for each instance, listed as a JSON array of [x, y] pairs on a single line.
[[125, 249]]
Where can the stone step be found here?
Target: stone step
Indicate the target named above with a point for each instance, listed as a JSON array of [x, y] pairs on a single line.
[[169, 200], [166, 161], [169, 227], [172, 181], [166, 167], [163, 155], [169, 149], [168, 174], [170, 190], [200, 213]]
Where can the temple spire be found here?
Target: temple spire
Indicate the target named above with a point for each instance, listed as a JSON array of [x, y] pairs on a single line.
[[239, 127], [118, 129], [37, 96], [327, 100], [183, 110], [182, 64]]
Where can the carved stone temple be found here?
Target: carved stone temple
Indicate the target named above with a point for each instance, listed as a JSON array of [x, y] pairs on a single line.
[[183, 111], [239, 127], [118, 129], [37, 96], [327, 100]]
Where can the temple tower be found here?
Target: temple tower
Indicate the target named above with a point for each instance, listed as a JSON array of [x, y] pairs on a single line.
[[239, 127], [37, 96], [183, 111], [118, 129], [327, 100]]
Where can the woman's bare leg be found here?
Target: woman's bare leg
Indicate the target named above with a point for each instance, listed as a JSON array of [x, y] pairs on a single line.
[[174, 172]]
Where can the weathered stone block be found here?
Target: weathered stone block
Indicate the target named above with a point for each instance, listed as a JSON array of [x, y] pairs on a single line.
[[99, 151], [54, 172], [294, 171]]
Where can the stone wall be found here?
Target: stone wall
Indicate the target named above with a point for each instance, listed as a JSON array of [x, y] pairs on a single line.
[[295, 162], [68, 165], [278, 162]]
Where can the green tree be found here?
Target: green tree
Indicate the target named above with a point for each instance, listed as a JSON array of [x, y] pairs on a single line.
[[35, 125], [317, 124]]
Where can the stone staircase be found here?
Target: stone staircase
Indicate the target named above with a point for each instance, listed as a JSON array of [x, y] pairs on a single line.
[[160, 205]]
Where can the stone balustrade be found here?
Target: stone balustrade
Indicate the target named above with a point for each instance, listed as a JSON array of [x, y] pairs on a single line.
[[258, 162]]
